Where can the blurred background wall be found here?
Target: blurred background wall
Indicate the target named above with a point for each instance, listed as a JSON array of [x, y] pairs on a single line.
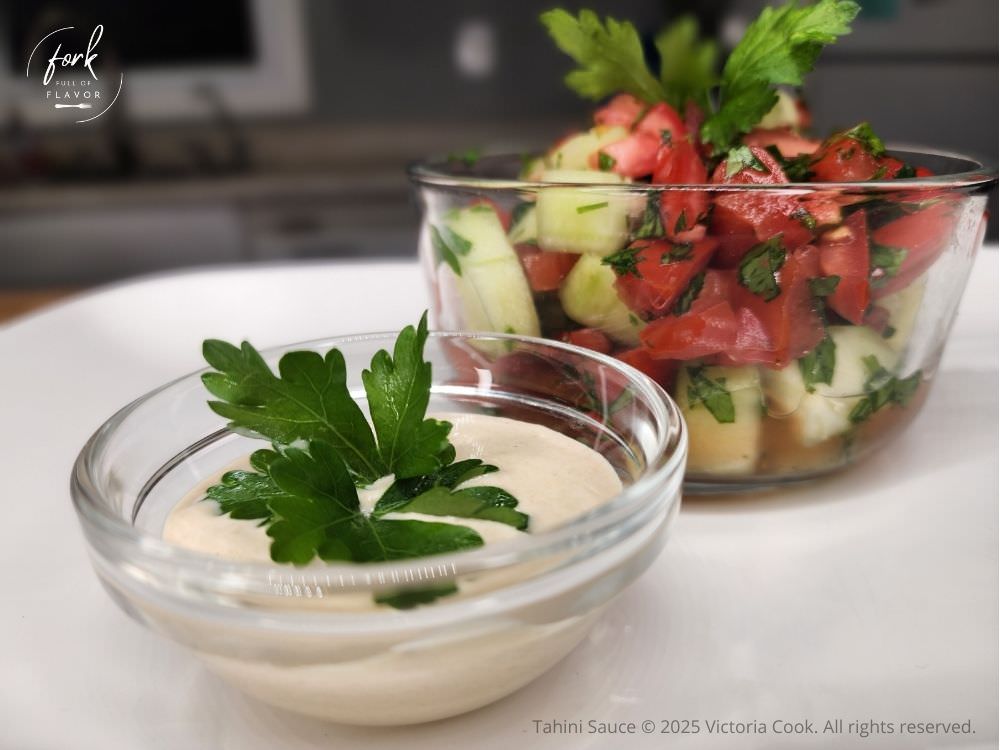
[[263, 130]]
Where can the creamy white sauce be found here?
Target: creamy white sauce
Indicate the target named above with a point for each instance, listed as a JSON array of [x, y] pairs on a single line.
[[553, 477]]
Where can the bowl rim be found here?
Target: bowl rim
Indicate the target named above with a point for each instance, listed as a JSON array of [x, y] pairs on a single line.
[[433, 172], [665, 463]]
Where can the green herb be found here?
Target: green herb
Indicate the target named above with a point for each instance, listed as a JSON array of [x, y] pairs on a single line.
[[888, 332], [591, 207], [904, 172], [824, 286], [885, 262], [780, 47], [468, 157], [605, 162], [666, 137], [864, 134], [740, 158], [818, 365], [678, 251], [759, 268], [883, 388], [804, 218], [712, 394], [624, 262], [681, 224], [519, 212], [796, 168], [448, 246], [689, 295], [879, 173], [688, 64], [652, 223], [609, 54], [247, 494]]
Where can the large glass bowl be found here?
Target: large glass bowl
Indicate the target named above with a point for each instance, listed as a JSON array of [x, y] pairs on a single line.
[[544, 274], [310, 639]]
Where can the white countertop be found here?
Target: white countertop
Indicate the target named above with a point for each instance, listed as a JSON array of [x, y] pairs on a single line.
[[869, 595]]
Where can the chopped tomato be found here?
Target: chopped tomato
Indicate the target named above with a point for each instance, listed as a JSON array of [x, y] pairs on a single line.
[[842, 158], [663, 271], [742, 219], [623, 109], [589, 338], [787, 141], [678, 163], [504, 216], [660, 370], [633, 156], [843, 252], [545, 270], [923, 235], [695, 334], [660, 119]]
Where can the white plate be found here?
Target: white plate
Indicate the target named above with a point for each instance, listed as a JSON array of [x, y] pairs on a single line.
[[870, 595]]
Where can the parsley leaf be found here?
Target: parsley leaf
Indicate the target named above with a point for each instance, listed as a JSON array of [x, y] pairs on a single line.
[[678, 251], [740, 158], [448, 246], [652, 223], [624, 262], [864, 134], [818, 365], [591, 207], [399, 389], [759, 268], [824, 286], [883, 388], [310, 401], [712, 394], [605, 162], [689, 295], [780, 47], [687, 63], [609, 54], [885, 262], [247, 494]]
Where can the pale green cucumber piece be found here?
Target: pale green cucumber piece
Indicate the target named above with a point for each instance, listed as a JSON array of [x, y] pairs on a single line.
[[588, 296], [525, 231], [582, 221], [784, 113], [723, 448], [495, 292], [903, 307], [853, 344], [575, 151]]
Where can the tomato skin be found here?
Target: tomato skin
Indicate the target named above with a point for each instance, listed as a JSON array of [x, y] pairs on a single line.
[[658, 285], [842, 158], [634, 156], [589, 338], [623, 109], [695, 334], [662, 118], [742, 219], [924, 235], [844, 252], [662, 371], [545, 270], [788, 142], [679, 163]]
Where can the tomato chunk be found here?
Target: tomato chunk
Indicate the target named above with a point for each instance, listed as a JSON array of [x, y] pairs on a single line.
[[678, 163], [660, 119], [843, 252], [662, 272], [589, 338], [923, 236], [660, 370], [623, 109], [545, 270], [634, 156], [695, 334], [843, 158], [787, 141]]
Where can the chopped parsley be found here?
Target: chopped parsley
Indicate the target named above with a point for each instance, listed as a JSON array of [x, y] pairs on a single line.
[[652, 223], [904, 172], [448, 246], [884, 262], [823, 286], [624, 262], [605, 162], [883, 388], [804, 218], [591, 207], [689, 295], [678, 251], [818, 365], [741, 158], [864, 135], [712, 394], [469, 157], [759, 268]]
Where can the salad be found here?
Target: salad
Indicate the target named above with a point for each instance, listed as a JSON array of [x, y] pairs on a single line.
[[769, 279]]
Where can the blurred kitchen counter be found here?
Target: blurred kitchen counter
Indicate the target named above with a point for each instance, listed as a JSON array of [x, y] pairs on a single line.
[[14, 303]]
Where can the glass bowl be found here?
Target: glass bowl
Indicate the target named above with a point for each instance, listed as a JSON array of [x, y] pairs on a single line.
[[310, 639], [763, 401]]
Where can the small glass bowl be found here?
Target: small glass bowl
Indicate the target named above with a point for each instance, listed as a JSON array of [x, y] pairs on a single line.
[[782, 431], [297, 637]]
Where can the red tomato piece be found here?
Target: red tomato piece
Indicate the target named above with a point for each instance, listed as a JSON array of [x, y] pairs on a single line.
[[660, 370], [623, 109], [842, 158], [788, 142], [545, 270], [634, 156], [923, 235], [742, 219], [663, 274], [843, 252], [695, 334], [662, 118], [678, 163], [589, 338]]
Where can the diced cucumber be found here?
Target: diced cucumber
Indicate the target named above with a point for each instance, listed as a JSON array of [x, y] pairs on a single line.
[[582, 221], [825, 412], [723, 447], [903, 307], [588, 296], [494, 291], [784, 113], [575, 151], [525, 230]]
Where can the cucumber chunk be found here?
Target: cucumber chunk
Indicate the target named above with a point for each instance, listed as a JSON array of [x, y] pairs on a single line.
[[588, 296], [583, 221], [903, 307], [525, 230], [716, 447], [575, 151], [491, 285]]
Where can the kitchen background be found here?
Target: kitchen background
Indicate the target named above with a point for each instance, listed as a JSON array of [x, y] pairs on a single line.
[[262, 131]]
